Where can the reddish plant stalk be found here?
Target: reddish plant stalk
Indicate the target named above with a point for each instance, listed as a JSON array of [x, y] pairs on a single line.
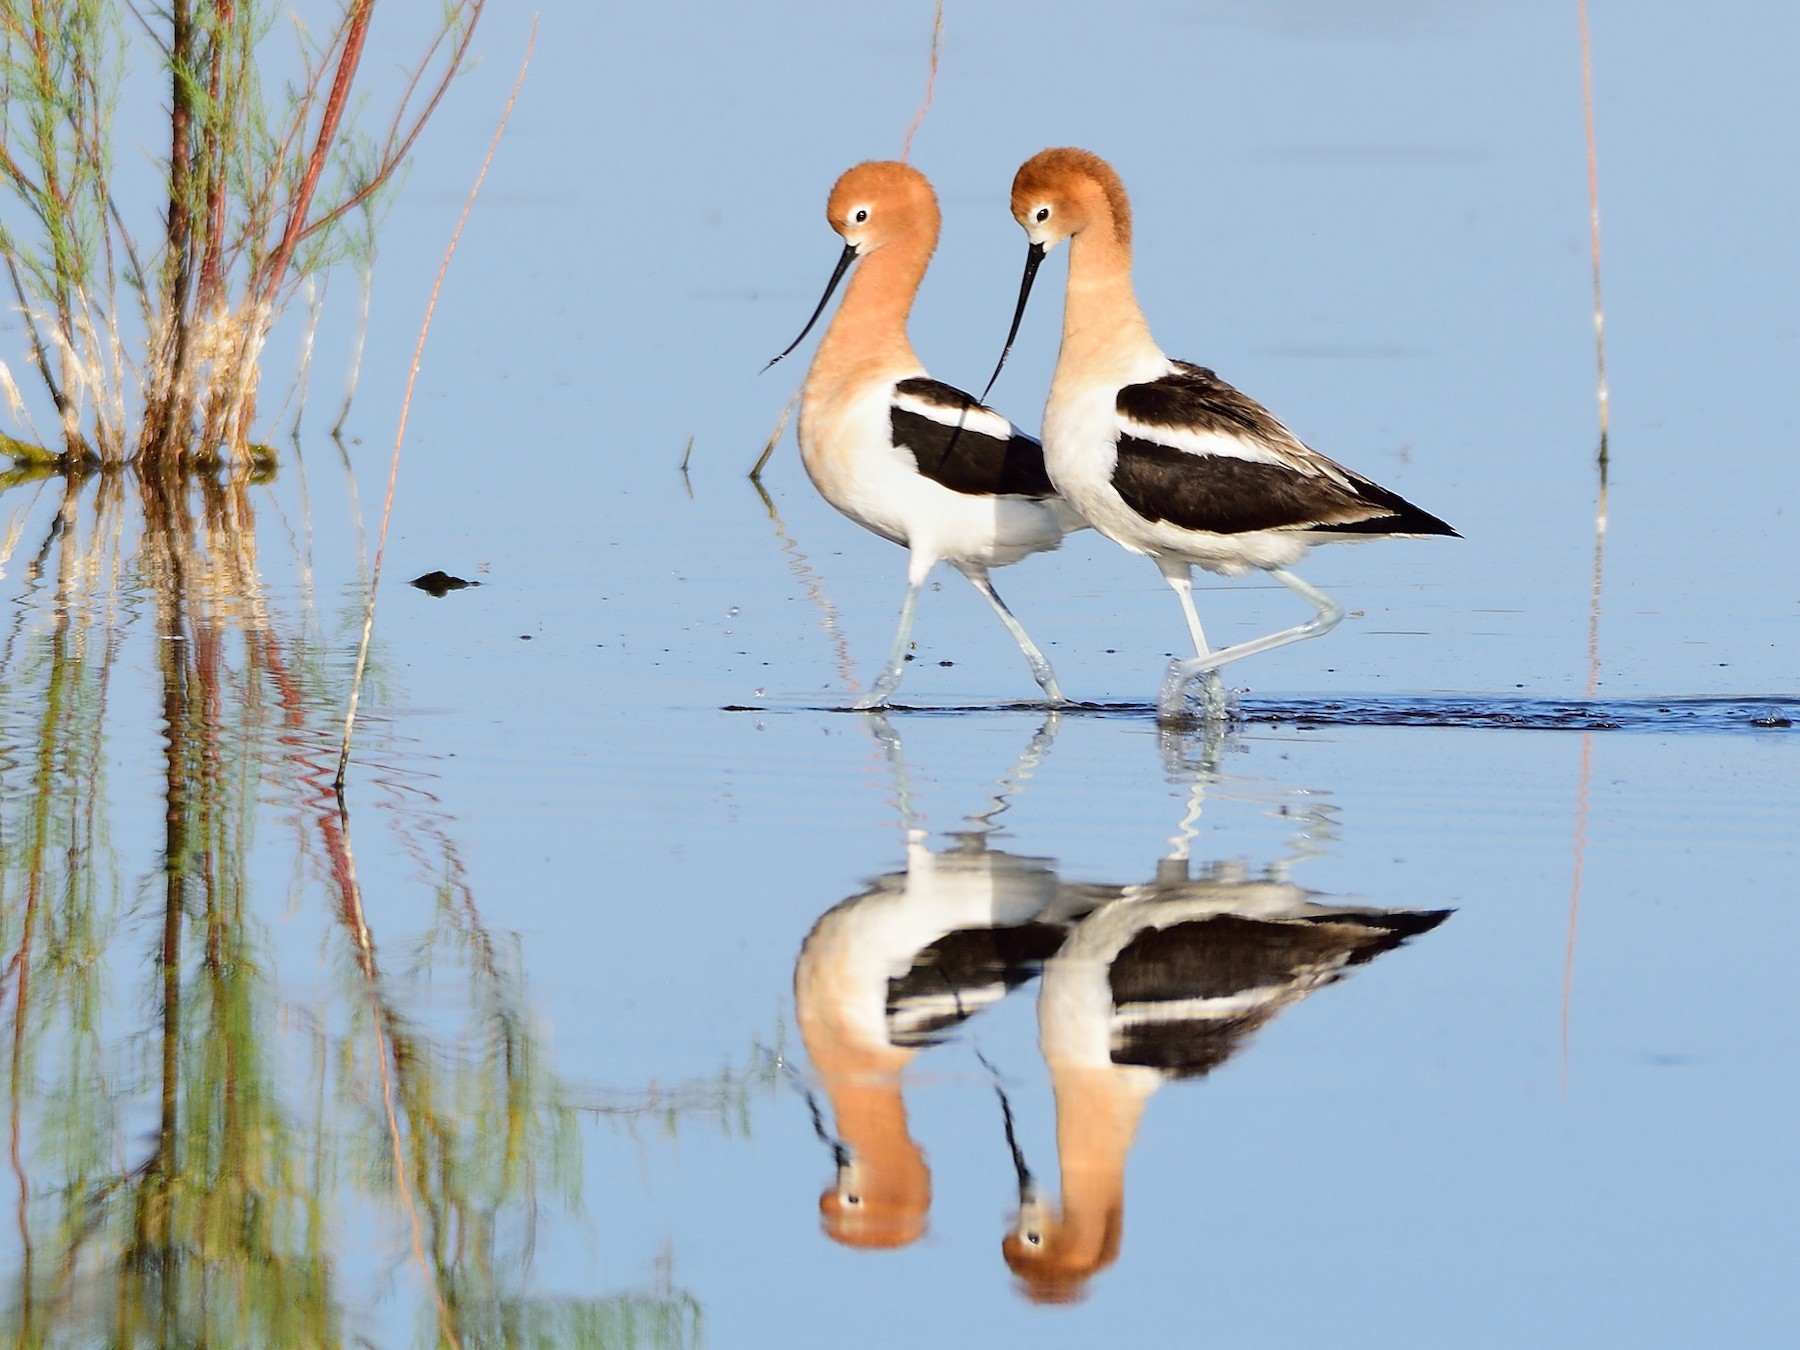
[[164, 413], [355, 32], [212, 282]]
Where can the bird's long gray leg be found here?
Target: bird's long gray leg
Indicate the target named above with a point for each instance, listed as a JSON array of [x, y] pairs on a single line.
[[889, 678], [1181, 580], [1171, 702], [1040, 667], [1327, 617]]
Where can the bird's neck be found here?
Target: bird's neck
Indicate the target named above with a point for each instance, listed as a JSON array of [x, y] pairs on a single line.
[[1097, 1113], [862, 1079], [1104, 333], [867, 335], [871, 1121]]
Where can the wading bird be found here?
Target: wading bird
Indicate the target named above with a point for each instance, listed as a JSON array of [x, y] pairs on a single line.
[[915, 460], [1164, 457]]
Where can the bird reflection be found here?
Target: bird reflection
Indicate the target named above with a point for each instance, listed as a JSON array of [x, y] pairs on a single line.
[[1141, 983], [893, 970], [1166, 980]]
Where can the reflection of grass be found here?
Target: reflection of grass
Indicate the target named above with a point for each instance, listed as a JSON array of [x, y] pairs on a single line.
[[209, 1159], [722, 1100], [655, 1317]]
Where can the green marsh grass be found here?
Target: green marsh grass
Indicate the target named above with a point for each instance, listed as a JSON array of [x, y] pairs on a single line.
[[146, 313]]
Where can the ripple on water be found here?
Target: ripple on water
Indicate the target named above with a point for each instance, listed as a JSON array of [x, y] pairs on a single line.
[[1489, 712]]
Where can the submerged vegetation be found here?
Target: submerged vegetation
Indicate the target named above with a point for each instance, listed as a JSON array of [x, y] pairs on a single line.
[[146, 301], [249, 1103], [185, 1158]]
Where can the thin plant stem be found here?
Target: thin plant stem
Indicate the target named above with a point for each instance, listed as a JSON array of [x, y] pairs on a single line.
[[937, 44], [356, 350], [937, 37], [412, 378], [384, 1055], [1585, 780], [809, 577], [399, 144], [1593, 163], [1577, 866], [315, 304], [39, 355], [356, 30], [774, 438]]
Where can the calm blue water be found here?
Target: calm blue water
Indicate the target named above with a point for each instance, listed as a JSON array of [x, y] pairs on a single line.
[[1562, 1116]]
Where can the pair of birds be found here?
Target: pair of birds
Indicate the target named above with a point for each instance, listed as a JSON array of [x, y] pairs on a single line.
[[1163, 457]]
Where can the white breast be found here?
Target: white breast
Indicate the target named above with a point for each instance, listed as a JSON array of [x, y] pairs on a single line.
[[847, 446]]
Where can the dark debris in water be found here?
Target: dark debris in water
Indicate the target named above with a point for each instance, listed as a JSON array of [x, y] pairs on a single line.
[[441, 583]]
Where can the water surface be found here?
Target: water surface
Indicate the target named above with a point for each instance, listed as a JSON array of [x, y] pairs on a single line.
[[508, 1049]]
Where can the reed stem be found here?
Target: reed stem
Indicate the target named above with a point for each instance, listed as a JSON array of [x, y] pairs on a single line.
[[1587, 103], [412, 378]]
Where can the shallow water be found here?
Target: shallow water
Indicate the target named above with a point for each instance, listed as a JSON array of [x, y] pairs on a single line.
[[508, 1050]]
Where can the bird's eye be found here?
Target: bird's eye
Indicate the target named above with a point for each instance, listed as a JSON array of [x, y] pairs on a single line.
[[860, 215], [1043, 214], [853, 1199], [1035, 1239]]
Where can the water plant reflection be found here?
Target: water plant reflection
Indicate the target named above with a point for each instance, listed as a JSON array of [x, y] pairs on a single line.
[[210, 1142]]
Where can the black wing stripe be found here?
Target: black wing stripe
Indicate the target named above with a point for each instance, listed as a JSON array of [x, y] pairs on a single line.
[[961, 458], [1220, 494], [961, 973], [1184, 1049], [1223, 495], [1226, 494], [1400, 516], [1228, 956]]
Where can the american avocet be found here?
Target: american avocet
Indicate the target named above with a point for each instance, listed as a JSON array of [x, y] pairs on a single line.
[[1164, 457], [914, 460], [1168, 980], [895, 969]]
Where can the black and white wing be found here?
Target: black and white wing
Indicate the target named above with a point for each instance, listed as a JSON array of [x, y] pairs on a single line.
[[964, 445], [960, 974], [1199, 454], [1187, 995]]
